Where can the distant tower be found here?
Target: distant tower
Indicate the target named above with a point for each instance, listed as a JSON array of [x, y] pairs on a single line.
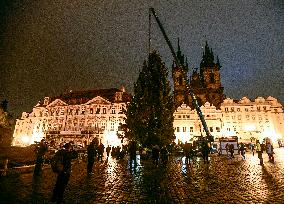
[[179, 75], [210, 78], [206, 84]]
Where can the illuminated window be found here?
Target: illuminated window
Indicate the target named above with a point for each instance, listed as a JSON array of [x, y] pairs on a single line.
[[91, 111], [112, 126]]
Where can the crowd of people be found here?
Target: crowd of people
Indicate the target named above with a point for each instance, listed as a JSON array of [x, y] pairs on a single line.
[[160, 155]]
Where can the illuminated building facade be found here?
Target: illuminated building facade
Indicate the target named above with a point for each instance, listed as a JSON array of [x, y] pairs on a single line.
[[77, 116], [249, 120]]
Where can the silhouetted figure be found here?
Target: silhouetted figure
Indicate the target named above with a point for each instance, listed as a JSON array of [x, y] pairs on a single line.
[[188, 151], [132, 152], [259, 152], [92, 152], [155, 155], [270, 152], [242, 150], [108, 150], [101, 149], [164, 155], [205, 151], [42, 148], [63, 176]]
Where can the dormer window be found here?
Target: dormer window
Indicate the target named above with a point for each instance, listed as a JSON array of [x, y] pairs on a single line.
[[118, 96]]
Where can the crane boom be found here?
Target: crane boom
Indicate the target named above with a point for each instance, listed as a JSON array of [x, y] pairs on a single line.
[[195, 102]]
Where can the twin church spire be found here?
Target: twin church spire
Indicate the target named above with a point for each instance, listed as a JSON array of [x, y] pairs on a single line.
[[206, 84]]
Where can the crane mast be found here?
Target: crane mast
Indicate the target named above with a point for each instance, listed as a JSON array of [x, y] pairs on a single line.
[[195, 102]]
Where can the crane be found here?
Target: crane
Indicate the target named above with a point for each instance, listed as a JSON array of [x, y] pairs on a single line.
[[177, 62]]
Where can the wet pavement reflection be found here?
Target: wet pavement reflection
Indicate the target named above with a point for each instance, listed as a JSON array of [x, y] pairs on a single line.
[[120, 181]]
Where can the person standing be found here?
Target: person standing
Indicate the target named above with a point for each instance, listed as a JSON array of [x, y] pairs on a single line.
[[101, 149], [156, 154], [91, 151], [108, 150], [42, 148], [64, 175], [252, 149], [132, 152], [259, 152], [270, 151], [205, 151]]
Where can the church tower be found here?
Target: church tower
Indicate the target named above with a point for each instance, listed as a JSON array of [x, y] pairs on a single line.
[[210, 78], [206, 84], [179, 75]]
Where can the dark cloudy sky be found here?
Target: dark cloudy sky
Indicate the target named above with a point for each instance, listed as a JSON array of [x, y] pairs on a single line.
[[48, 47]]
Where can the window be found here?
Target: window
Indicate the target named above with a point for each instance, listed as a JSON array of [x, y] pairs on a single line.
[[98, 111], [113, 111], [218, 129], [91, 111], [184, 129], [211, 129], [112, 126], [232, 109], [177, 129], [239, 117], [246, 109], [264, 107], [226, 109], [191, 129], [238, 109], [258, 108]]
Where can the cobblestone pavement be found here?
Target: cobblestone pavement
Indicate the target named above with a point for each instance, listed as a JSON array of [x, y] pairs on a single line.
[[221, 181]]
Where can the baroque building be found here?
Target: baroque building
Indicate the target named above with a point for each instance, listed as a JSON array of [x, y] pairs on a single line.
[[205, 84], [249, 120], [77, 116]]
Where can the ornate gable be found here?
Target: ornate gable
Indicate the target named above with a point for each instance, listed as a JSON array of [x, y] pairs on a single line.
[[98, 100], [57, 102]]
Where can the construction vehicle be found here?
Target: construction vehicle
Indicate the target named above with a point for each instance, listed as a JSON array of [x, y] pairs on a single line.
[[208, 137]]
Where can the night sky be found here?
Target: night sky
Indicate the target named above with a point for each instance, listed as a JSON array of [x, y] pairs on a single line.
[[49, 47]]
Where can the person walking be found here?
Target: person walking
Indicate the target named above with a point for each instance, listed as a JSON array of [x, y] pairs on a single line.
[[42, 148], [242, 150], [270, 152], [91, 152], [259, 152], [231, 150], [64, 175]]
